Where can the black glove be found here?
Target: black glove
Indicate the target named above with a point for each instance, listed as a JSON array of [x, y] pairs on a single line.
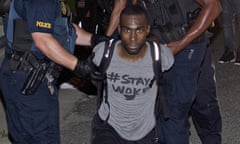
[[84, 68], [97, 77], [96, 38], [88, 70]]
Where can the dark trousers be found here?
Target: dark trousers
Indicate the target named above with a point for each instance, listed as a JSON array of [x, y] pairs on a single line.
[[32, 119], [205, 109], [103, 133], [185, 85]]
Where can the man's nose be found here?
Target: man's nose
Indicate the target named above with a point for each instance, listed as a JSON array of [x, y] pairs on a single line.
[[133, 36]]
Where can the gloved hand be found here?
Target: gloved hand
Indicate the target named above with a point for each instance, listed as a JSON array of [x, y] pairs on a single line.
[[88, 70], [96, 38], [97, 77], [84, 68]]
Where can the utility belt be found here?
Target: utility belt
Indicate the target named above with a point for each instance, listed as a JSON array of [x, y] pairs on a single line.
[[37, 70], [167, 34]]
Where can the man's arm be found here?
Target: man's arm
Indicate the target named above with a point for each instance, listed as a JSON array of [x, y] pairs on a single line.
[[210, 9], [119, 5], [83, 37]]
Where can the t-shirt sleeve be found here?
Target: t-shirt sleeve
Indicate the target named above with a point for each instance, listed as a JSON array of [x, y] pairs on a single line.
[[41, 15], [166, 57], [98, 50]]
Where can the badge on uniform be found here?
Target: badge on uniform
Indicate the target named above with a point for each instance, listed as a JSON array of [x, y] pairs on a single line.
[[66, 12]]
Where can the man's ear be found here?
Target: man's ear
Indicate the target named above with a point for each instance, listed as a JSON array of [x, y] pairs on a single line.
[[119, 29], [148, 29]]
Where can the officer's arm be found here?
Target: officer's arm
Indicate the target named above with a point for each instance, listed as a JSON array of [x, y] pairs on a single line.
[[210, 9], [83, 37], [119, 5], [54, 50], [209, 12], [86, 38]]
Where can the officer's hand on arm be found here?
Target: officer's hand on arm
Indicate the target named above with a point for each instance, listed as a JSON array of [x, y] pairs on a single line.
[[86, 38], [83, 37], [87, 69], [84, 68], [52, 49]]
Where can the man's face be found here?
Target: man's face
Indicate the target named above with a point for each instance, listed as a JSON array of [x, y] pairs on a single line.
[[133, 30]]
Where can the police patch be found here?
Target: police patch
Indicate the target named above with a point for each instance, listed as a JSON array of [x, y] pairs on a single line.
[[65, 9], [43, 24]]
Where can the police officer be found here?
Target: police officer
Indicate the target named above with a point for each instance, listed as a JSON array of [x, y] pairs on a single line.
[[190, 84], [40, 38]]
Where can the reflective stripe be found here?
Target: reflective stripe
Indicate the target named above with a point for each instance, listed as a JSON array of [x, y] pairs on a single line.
[[109, 45], [156, 49]]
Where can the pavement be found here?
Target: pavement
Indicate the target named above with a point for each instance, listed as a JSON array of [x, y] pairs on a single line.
[[77, 108], [75, 117]]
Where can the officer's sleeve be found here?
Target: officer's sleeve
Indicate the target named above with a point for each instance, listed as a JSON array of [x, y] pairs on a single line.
[[41, 15], [167, 58]]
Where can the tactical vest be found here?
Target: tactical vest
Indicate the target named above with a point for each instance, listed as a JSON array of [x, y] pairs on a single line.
[[167, 13], [170, 19], [63, 31]]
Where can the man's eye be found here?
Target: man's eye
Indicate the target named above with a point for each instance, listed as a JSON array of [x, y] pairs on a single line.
[[126, 30], [139, 30]]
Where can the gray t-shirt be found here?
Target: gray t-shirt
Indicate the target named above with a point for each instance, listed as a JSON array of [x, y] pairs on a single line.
[[131, 99]]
